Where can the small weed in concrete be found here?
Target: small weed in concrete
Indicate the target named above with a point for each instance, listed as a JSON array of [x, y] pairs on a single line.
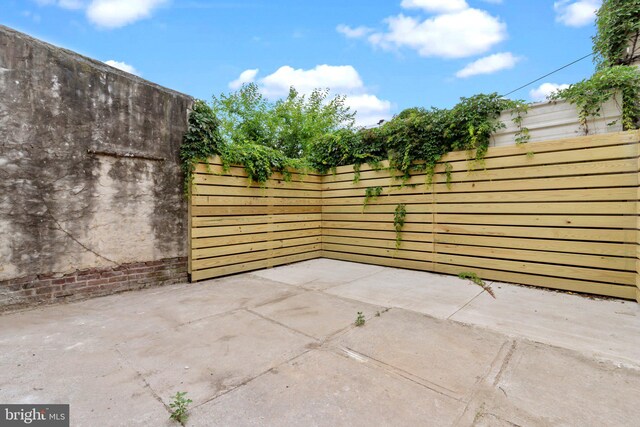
[[179, 407], [360, 319], [474, 278]]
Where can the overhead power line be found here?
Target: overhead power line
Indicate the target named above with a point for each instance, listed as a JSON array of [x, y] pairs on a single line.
[[547, 75]]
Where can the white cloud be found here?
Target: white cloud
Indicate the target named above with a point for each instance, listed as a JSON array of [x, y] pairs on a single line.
[[118, 13], [544, 90], [353, 32], [489, 65], [65, 4], [110, 13], [440, 6], [122, 66], [247, 76], [576, 13], [370, 108], [452, 35], [339, 79]]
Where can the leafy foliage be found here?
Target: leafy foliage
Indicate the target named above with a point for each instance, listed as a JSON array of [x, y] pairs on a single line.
[[179, 407], [371, 194], [590, 94], [289, 125], [259, 161], [201, 141], [618, 23], [417, 138], [313, 132], [398, 222], [360, 319]]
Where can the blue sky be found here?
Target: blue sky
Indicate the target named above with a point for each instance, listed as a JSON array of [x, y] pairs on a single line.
[[385, 55]]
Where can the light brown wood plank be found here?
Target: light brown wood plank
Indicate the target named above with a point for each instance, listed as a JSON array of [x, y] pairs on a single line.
[[590, 274], [593, 261], [246, 229], [568, 246], [236, 239], [586, 221], [206, 263], [572, 284], [376, 260], [253, 247], [208, 221], [253, 265]]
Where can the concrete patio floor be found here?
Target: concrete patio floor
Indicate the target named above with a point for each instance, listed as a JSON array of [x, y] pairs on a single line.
[[278, 347]]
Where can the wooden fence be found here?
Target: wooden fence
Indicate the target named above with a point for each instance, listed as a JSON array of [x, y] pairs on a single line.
[[239, 227], [559, 214]]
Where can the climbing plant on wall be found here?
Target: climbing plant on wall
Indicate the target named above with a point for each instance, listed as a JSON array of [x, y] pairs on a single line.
[[315, 133], [618, 23]]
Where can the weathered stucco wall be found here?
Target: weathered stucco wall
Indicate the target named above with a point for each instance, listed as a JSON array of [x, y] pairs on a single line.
[[89, 172]]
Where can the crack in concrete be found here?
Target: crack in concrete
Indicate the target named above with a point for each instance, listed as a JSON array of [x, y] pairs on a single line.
[[480, 387], [142, 378], [466, 304], [248, 310], [349, 352], [249, 380], [505, 362]]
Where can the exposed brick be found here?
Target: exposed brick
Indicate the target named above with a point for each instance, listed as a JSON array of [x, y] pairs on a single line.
[[51, 287], [97, 282], [88, 276], [111, 273]]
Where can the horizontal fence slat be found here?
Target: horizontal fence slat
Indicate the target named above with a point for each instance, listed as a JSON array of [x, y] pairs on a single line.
[[375, 234], [383, 252], [382, 243], [253, 265], [252, 247], [567, 233], [549, 245], [587, 221], [253, 201], [384, 261], [244, 229], [571, 259], [235, 181], [385, 178], [566, 284], [236, 239], [581, 182], [217, 190], [200, 264], [197, 211], [253, 219], [592, 274]]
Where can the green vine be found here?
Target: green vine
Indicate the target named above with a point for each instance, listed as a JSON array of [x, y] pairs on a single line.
[[522, 135], [618, 23], [398, 222], [201, 141], [448, 168], [589, 95], [614, 46], [371, 194], [317, 134]]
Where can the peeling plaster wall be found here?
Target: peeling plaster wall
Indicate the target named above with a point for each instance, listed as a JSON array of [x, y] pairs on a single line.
[[66, 201]]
